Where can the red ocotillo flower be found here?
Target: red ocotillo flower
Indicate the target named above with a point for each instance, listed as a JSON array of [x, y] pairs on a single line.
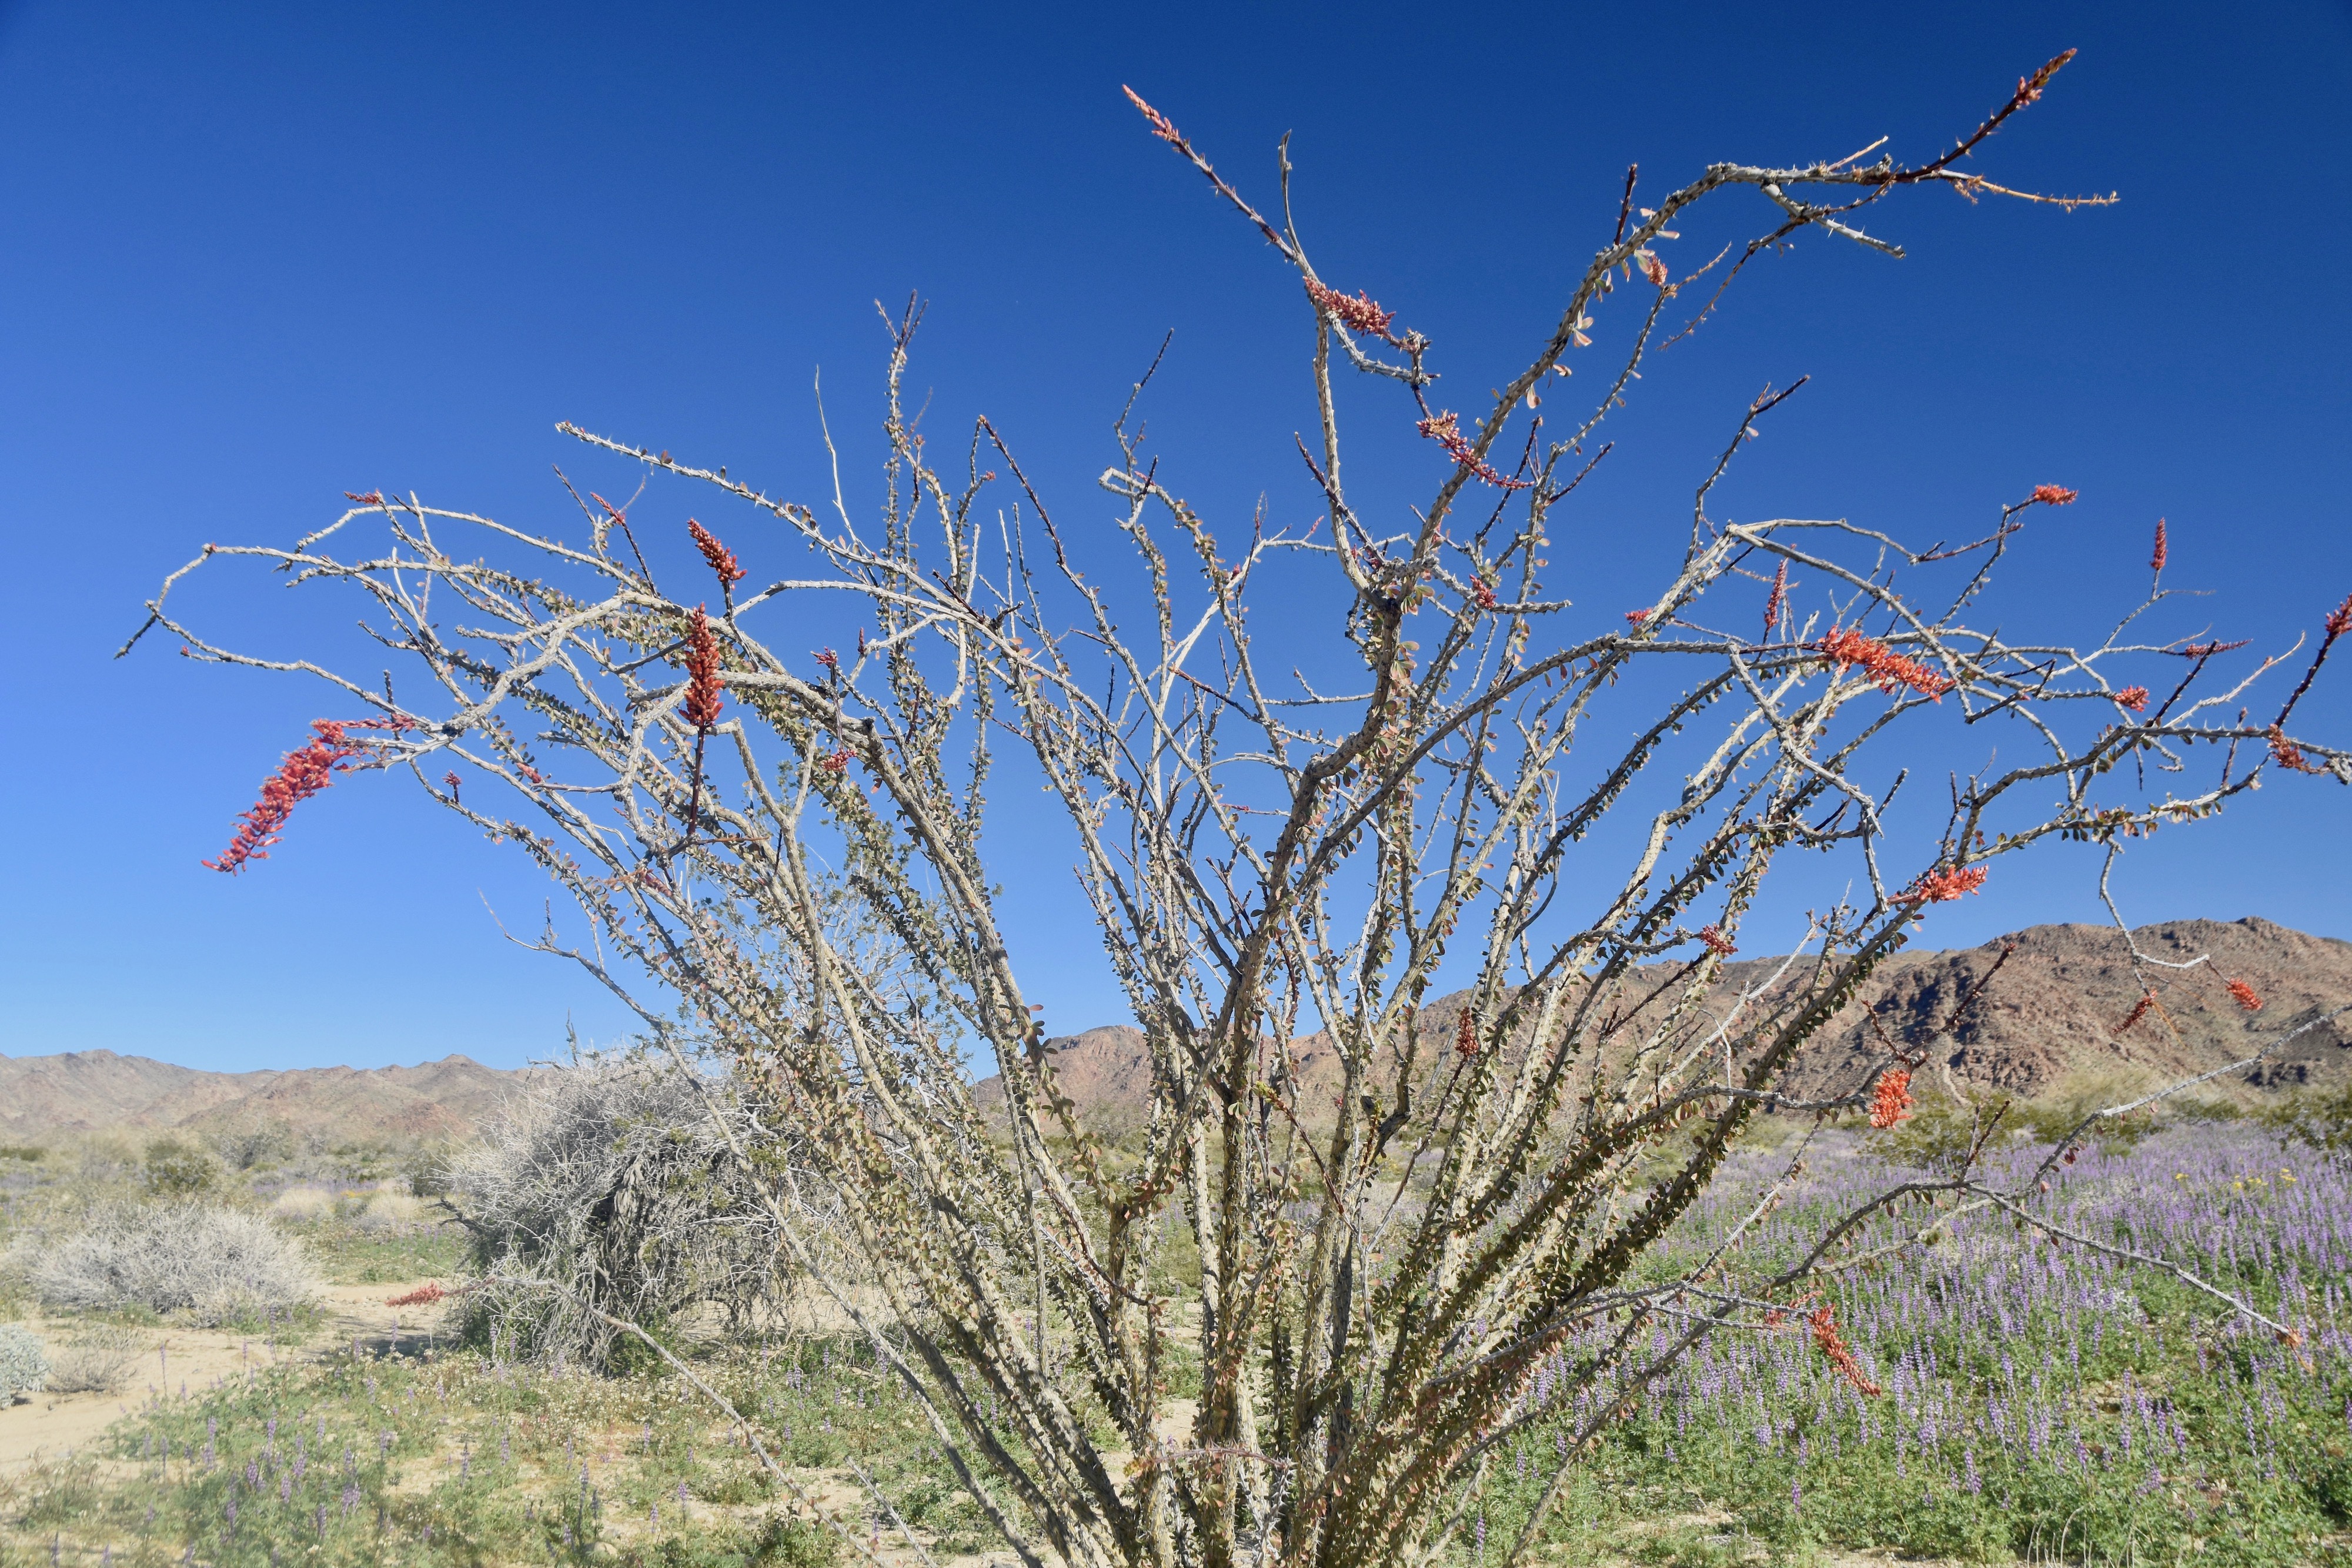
[[834, 762], [1482, 593], [372, 498], [2029, 89], [1943, 886], [1465, 1035], [1834, 1346], [1652, 267], [424, 1295], [2050, 495], [1445, 429], [2134, 698], [1716, 942], [703, 685], [1779, 598], [829, 660], [2289, 756], [1360, 314], [2339, 619], [1636, 617], [1161, 127], [1891, 1101], [2140, 1009], [302, 775], [1889, 671], [451, 779], [2156, 562], [722, 559], [2245, 996]]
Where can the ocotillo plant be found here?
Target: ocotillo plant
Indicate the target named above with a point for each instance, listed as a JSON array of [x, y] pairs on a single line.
[[1391, 1244]]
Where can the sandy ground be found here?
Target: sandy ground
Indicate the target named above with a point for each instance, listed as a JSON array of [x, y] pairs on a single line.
[[51, 1426]]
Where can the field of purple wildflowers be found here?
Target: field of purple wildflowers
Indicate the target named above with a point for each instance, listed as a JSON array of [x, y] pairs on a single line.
[[2038, 1402]]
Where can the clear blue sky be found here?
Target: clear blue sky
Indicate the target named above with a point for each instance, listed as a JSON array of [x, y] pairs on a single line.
[[255, 256]]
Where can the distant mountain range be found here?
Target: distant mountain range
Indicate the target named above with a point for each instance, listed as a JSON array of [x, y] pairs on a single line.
[[42, 1097], [2055, 1009]]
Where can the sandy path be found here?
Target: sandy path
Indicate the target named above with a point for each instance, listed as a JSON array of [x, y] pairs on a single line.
[[177, 1360]]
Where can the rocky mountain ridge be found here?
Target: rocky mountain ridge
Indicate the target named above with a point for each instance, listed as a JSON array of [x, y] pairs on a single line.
[[45, 1097], [2055, 1009]]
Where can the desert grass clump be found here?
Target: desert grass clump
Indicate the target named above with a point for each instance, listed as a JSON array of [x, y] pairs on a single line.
[[303, 1204], [611, 1180], [96, 1360], [199, 1260]]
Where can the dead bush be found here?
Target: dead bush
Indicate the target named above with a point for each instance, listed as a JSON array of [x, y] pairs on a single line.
[[610, 1178]]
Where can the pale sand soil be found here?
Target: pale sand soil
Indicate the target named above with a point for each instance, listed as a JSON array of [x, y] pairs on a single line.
[[51, 1426]]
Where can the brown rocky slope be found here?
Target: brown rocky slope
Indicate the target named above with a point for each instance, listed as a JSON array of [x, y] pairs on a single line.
[[2053, 1010]]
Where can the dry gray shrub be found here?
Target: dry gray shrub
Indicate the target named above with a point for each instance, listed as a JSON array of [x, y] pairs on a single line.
[[98, 1359], [611, 1179], [208, 1263]]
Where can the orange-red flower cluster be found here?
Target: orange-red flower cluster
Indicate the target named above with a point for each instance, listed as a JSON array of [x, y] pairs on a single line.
[[1891, 1101], [2244, 996], [2134, 698], [702, 684], [372, 498], [1465, 1035], [1445, 429], [1944, 885], [827, 659], [2289, 756], [2339, 619], [302, 775], [1360, 314], [2156, 561], [1889, 671], [451, 779], [1159, 121], [2139, 1010], [1482, 592], [1652, 267], [1778, 600], [722, 559], [425, 1295], [1827, 1339], [1716, 942], [2052, 494], [1636, 617], [834, 762]]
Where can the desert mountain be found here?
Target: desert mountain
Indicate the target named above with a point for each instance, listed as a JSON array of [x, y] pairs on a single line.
[[98, 1090], [2054, 1008]]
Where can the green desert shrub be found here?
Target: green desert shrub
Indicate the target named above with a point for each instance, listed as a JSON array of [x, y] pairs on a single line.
[[176, 1170], [24, 1363]]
